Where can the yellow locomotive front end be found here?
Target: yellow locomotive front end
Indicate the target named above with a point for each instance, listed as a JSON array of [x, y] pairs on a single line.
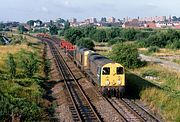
[[113, 78], [112, 74], [108, 75]]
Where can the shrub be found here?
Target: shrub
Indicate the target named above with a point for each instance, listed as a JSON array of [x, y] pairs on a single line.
[[116, 40], [24, 82], [153, 49], [174, 45], [11, 65], [73, 34], [29, 63], [126, 54], [140, 43], [150, 72], [85, 42]]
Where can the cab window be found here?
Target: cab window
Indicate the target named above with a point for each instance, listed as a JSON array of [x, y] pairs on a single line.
[[106, 71], [119, 70]]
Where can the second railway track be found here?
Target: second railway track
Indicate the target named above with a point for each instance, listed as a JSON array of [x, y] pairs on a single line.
[[131, 111]]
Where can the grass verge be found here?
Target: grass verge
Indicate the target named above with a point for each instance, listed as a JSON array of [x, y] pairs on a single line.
[[161, 93]]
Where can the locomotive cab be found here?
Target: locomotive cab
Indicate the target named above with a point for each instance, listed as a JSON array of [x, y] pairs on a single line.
[[112, 74], [112, 79]]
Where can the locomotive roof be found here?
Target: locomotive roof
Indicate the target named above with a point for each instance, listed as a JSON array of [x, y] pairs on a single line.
[[99, 59], [82, 49]]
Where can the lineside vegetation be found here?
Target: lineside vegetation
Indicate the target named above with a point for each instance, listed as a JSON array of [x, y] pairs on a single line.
[[21, 76]]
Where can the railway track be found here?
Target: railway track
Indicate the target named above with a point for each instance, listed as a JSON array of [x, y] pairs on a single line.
[[82, 109], [147, 116], [80, 106], [131, 111]]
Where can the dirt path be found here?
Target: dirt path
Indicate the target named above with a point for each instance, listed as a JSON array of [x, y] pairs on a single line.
[[164, 63]]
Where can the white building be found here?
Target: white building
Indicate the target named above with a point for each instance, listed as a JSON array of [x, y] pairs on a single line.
[[37, 24], [93, 20], [73, 20], [111, 20]]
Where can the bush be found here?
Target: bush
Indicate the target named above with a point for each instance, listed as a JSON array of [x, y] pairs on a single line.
[[24, 82], [140, 43], [150, 72], [129, 34], [29, 63], [73, 34], [100, 36], [85, 42], [11, 65], [22, 29], [116, 40], [126, 54], [153, 49], [174, 45]]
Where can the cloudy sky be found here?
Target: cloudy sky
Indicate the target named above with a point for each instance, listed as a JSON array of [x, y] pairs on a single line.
[[23, 10]]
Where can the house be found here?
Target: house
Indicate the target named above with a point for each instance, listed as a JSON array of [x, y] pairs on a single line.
[[150, 25], [135, 23]]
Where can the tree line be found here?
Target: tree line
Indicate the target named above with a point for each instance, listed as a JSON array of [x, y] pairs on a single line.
[[142, 37]]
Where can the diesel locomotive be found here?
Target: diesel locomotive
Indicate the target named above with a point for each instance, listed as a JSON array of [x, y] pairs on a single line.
[[108, 75]]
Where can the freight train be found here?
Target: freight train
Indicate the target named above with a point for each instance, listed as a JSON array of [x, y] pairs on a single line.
[[109, 76]]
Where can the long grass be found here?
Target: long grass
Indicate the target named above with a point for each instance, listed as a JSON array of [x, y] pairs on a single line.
[[165, 99], [4, 50], [161, 52], [26, 90]]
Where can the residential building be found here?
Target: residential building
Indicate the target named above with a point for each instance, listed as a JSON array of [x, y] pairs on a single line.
[[111, 20], [87, 21], [93, 20], [135, 23], [150, 25], [73, 20], [155, 18]]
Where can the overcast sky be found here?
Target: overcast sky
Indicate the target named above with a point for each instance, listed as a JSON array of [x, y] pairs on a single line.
[[23, 10]]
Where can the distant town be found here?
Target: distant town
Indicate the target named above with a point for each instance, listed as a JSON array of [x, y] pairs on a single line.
[[154, 22]]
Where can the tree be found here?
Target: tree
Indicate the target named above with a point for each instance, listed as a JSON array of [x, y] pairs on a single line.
[[116, 40], [113, 32], [66, 25], [53, 30], [2, 25], [39, 21], [173, 44], [88, 30], [22, 29], [174, 18], [100, 36], [126, 54], [129, 34], [73, 34], [30, 22], [60, 20], [85, 42], [12, 65], [29, 63]]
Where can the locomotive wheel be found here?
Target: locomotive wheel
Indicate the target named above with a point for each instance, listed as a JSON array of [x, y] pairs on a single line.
[[105, 92], [114, 92]]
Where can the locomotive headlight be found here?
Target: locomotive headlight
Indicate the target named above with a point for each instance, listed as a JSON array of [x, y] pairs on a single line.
[[119, 82], [107, 82]]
